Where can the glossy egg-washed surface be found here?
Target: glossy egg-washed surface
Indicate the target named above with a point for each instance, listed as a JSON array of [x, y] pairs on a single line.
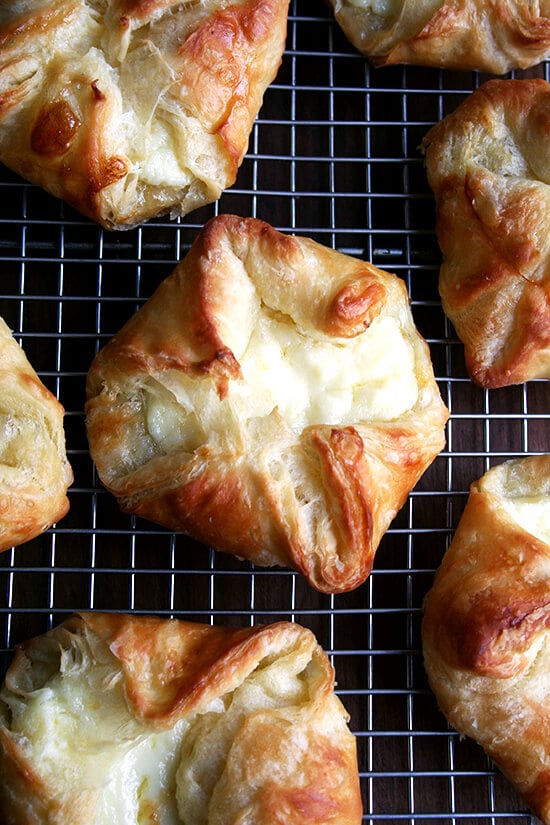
[[130, 110], [334, 156]]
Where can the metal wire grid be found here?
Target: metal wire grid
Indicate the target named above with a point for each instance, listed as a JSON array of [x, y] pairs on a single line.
[[333, 155]]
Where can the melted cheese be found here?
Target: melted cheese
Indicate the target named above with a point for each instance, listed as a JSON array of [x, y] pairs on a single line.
[[313, 381], [532, 513], [82, 737], [149, 137], [172, 425], [306, 381], [159, 166]]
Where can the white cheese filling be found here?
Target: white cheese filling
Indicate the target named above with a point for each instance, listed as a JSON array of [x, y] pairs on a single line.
[[83, 738], [370, 376], [307, 381], [532, 513]]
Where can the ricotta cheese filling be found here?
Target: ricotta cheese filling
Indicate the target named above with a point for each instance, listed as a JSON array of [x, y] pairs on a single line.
[[77, 729], [147, 126], [532, 513], [306, 381], [370, 376]]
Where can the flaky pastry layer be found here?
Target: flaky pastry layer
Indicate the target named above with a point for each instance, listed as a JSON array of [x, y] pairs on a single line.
[[487, 35], [489, 167], [129, 109], [485, 627], [120, 720], [273, 399], [34, 470]]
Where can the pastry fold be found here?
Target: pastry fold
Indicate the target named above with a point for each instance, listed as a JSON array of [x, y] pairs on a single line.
[[34, 470], [493, 36], [486, 620], [488, 164], [130, 109], [113, 719], [273, 399]]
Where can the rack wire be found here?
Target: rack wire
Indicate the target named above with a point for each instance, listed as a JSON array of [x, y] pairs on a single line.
[[334, 156]]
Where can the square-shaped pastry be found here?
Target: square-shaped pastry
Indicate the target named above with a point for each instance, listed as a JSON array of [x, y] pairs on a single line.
[[130, 109], [125, 720], [34, 471], [486, 35], [486, 625], [273, 399], [488, 164]]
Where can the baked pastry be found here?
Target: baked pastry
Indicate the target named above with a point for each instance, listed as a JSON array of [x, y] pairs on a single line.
[[117, 719], [486, 625], [488, 35], [488, 164], [130, 109], [34, 471], [273, 399]]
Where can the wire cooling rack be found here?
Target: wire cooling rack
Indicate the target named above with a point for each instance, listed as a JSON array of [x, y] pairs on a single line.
[[334, 156]]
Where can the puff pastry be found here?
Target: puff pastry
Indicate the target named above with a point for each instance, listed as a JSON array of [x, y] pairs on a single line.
[[125, 720], [273, 398], [488, 35], [486, 625], [489, 167], [34, 470], [129, 109]]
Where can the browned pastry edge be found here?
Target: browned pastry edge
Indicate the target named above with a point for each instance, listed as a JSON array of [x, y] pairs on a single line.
[[62, 119], [462, 35], [493, 230], [485, 630], [34, 482], [175, 667], [228, 497]]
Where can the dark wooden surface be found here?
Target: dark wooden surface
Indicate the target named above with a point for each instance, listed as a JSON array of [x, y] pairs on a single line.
[[334, 156]]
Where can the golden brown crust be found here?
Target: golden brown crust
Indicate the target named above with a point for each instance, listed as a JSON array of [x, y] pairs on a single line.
[[486, 620], [185, 664], [249, 714], [34, 471], [488, 35], [77, 119], [246, 313], [489, 172]]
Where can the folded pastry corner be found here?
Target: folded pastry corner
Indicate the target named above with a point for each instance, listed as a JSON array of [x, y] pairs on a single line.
[[485, 629], [131, 110], [114, 719], [493, 36], [34, 471], [273, 398], [488, 165]]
